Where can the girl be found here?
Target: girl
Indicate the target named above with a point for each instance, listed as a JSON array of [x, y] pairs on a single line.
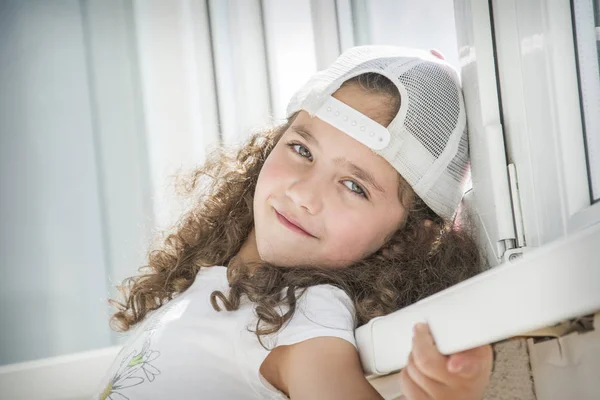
[[342, 214]]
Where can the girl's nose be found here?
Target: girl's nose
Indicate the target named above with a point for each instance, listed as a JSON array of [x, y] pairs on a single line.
[[307, 193]]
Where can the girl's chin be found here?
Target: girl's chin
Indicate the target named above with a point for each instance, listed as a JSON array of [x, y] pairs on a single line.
[[284, 257], [281, 260]]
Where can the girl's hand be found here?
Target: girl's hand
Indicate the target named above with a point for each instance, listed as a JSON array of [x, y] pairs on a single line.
[[430, 375]]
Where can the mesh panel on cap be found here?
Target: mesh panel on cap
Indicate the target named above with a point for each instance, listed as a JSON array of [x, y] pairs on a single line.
[[447, 191], [433, 106], [460, 162]]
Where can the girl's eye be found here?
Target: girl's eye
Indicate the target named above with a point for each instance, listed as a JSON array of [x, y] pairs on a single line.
[[301, 150], [356, 188]]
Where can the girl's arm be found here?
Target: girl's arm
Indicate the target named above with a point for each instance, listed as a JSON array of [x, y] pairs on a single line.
[[329, 368], [320, 368]]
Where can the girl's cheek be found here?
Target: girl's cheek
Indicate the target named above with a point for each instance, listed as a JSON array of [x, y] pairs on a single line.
[[350, 242], [276, 165], [272, 172]]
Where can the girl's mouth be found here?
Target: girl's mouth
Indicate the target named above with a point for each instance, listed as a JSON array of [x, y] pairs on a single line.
[[291, 226]]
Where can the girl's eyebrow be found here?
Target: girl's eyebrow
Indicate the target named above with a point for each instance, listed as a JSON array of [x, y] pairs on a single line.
[[302, 131], [360, 173]]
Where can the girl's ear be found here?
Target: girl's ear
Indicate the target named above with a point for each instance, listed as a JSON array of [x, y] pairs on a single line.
[[433, 228], [432, 225]]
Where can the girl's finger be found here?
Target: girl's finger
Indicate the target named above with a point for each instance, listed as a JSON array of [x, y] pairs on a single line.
[[471, 361], [427, 357], [410, 389], [431, 387]]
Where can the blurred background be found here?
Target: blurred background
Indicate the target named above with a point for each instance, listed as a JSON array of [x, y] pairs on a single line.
[[102, 102]]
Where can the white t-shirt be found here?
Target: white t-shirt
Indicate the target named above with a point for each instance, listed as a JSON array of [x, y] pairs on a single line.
[[188, 350]]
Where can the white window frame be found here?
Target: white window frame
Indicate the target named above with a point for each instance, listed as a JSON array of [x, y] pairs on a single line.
[[542, 117], [587, 39]]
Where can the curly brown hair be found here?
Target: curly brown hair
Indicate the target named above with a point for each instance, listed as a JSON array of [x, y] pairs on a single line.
[[418, 260]]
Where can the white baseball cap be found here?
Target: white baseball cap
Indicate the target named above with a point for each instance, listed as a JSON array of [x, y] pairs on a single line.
[[426, 142]]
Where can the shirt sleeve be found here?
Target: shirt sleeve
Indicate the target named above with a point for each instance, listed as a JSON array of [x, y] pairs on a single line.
[[322, 310]]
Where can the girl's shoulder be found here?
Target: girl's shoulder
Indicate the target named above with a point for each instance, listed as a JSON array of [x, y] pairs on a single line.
[[321, 310], [326, 297]]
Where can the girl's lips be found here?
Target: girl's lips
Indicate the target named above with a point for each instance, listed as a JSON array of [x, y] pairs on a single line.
[[291, 226]]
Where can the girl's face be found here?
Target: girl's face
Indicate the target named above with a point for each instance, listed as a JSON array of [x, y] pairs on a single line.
[[323, 198]]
